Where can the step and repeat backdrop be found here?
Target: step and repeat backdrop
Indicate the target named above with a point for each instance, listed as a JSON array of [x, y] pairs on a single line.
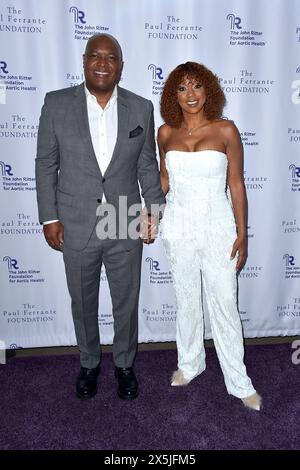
[[254, 48]]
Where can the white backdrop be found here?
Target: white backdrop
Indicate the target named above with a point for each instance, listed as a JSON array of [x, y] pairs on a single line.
[[254, 47]]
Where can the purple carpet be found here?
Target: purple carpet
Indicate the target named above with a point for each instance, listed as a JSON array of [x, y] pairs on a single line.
[[39, 409]]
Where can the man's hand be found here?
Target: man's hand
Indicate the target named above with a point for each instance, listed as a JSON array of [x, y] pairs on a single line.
[[149, 228], [240, 246], [54, 234]]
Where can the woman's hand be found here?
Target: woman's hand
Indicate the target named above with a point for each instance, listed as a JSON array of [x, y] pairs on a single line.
[[240, 246]]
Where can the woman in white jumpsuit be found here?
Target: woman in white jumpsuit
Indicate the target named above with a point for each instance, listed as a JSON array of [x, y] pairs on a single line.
[[205, 240]]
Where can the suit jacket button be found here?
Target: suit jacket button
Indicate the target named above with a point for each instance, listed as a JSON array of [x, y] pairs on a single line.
[[103, 180], [99, 200]]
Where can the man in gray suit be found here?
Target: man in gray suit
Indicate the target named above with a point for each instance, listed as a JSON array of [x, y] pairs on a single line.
[[95, 143]]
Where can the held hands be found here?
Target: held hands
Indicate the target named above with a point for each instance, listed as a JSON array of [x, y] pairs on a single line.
[[149, 227], [240, 246], [54, 234]]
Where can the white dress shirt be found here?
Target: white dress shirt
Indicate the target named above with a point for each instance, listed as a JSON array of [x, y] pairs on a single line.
[[103, 127], [103, 124]]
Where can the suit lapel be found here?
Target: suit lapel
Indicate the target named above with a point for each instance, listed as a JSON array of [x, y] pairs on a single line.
[[80, 110], [123, 114]]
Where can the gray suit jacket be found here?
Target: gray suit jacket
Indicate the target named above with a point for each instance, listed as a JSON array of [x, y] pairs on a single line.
[[69, 181]]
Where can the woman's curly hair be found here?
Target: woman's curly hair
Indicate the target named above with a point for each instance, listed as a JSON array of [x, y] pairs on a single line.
[[215, 98]]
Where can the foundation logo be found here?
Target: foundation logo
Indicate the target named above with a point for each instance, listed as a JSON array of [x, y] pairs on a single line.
[[11, 262], [156, 275], [295, 176], [27, 314], [12, 20], [16, 275], [78, 15], [290, 226], [172, 28], [295, 97], [247, 82], [166, 313], [292, 271], [295, 171], [11, 182], [156, 72], [290, 309], [20, 224], [18, 127], [289, 260], [241, 35], [157, 79], [82, 30], [153, 264], [235, 21], [15, 81], [5, 169]]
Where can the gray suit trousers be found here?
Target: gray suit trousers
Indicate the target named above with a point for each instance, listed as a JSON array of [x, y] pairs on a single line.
[[123, 270]]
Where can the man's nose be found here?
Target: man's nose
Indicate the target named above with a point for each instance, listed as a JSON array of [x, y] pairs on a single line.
[[101, 60]]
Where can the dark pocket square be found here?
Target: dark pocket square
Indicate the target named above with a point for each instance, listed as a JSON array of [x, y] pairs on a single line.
[[137, 131]]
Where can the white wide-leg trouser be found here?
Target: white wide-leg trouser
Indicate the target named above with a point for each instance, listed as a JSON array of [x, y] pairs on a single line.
[[208, 271]]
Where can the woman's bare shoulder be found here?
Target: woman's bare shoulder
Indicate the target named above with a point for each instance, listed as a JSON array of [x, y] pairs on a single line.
[[226, 124], [164, 131], [228, 128]]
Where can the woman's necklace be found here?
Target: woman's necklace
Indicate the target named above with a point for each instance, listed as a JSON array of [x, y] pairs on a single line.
[[190, 130]]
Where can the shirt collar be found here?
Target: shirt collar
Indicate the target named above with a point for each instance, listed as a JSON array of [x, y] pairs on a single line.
[[111, 100]]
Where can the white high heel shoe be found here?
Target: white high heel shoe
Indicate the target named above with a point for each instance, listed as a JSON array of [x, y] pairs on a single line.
[[178, 378], [253, 402]]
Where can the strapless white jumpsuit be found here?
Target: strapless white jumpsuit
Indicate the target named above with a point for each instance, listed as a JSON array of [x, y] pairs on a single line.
[[198, 231]]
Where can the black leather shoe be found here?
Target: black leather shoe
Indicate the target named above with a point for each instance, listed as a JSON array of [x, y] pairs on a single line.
[[86, 384], [128, 385]]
